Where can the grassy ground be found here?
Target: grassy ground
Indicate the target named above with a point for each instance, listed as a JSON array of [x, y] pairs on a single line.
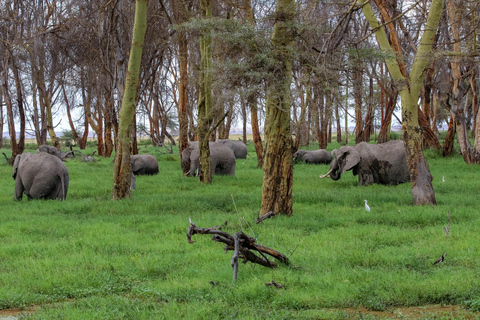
[[93, 258]]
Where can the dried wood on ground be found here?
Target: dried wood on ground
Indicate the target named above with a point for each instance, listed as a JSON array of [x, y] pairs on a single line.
[[247, 245]]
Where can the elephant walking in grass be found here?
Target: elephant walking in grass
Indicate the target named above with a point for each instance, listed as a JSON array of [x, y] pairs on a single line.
[[40, 176], [222, 160], [313, 157], [384, 163]]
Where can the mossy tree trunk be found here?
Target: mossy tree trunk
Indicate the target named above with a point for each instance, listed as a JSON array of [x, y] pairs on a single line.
[[278, 162], [205, 100], [409, 87], [122, 172]]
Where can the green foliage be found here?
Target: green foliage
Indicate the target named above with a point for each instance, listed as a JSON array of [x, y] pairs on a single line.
[[90, 257]]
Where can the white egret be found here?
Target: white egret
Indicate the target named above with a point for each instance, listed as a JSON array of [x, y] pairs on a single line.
[[366, 206], [443, 179]]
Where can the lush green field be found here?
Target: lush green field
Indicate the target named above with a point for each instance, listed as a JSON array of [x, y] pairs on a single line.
[[93, 258]]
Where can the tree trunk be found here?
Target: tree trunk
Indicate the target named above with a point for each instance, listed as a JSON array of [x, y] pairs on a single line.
[[182, 89], [257, 139], [368, 129], [205, 100], [122, 172], [449, 138], [357, 94], [278, 162]]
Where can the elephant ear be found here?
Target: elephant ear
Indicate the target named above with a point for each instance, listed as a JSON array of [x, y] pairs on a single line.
[[351, 160], [15, 166]]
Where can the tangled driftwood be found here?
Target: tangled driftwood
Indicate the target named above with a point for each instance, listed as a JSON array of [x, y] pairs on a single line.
[[243, 245]]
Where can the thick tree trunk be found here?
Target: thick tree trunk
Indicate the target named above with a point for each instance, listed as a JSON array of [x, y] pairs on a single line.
[[205, 100], [122, 172], [278, 162]]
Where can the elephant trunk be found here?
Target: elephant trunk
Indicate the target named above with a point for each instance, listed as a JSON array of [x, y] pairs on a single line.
[[335, 175], [332, 173]]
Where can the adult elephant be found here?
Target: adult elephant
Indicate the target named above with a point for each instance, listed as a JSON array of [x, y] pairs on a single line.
[[222, 160], [373, 163], [40, 176], [239, 148], [144, 164], [314, 157]]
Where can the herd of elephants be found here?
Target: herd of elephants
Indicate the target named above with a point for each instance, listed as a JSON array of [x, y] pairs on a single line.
[[44, 174]]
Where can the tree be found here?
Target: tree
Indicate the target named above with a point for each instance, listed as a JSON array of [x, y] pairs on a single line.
[[122, 172], [409, 87], [278, 162], [205, 100]]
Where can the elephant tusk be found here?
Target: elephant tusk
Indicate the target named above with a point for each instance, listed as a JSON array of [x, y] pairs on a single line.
[[326, 175], [187, 173]]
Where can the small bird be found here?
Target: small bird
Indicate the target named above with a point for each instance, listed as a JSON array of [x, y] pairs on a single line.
[[366, 206], [443, 179], [440, 260]]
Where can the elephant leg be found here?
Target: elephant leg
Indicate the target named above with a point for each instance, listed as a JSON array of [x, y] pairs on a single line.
[[19, 188]]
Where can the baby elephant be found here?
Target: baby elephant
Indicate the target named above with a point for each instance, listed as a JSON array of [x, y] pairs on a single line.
[[40, 176], [144, 164], [316, 157]]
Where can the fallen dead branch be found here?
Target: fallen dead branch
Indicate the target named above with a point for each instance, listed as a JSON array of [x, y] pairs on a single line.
[[266, 216], [273, 283], [245, 249]]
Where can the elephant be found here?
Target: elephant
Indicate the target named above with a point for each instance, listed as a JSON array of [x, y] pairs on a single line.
[[144, 164], [315, 157], [384, 163], [222, 160], [54, 151], [239, 148], [40, 176]]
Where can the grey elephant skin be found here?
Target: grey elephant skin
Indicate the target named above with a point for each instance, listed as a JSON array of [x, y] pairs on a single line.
[[222, 160], [40, 176], [313, 157], [144, 164], [53, 151], [239, 148], [384, 163]]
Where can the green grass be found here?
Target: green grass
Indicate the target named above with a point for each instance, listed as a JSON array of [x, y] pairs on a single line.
[[93, 258]]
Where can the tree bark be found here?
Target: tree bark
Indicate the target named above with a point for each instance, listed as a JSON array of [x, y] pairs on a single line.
[[205, 100], [179, 13], [278, 162], [122, 172]]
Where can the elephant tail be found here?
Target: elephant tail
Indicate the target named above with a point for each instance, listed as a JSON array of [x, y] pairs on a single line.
[[64, 179]]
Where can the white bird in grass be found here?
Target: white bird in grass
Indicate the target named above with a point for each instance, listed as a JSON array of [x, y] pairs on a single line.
[[443, 179], [366, 206]]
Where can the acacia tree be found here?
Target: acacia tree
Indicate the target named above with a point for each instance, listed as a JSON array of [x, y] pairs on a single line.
[[409, 87], [278, 162], [122, 172]]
